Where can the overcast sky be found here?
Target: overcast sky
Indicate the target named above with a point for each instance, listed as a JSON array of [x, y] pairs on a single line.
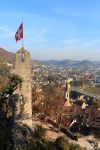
[[53, 29]]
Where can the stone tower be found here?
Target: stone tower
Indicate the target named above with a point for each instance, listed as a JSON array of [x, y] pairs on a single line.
[[23, 111], [67, 103]]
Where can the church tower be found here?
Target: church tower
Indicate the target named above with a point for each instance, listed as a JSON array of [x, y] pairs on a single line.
[[23, 112]]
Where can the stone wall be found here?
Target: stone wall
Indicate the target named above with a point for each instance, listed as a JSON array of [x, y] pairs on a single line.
[[24, 103]]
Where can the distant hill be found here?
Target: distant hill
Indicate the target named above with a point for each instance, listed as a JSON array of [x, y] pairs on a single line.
[[50, 62], [36, 62], [68, 62], [7, 56], [10, 57]]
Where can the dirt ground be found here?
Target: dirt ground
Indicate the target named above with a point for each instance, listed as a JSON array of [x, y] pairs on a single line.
[[88, 142]]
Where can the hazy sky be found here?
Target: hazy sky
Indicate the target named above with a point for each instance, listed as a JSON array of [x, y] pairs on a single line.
[[53, 29]]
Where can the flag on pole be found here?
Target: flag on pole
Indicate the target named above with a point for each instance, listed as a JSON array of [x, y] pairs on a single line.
[[19, 33]]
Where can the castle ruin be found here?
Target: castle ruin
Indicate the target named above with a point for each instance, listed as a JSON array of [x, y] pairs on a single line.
[[23, 112]]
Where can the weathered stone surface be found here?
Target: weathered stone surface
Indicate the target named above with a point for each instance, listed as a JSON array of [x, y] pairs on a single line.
[[24, 103]]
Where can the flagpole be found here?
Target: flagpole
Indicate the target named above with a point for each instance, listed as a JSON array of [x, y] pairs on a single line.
[[22, 43], [23, 37]]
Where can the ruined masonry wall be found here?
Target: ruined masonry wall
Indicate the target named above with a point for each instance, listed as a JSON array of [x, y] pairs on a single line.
[[23, 69]]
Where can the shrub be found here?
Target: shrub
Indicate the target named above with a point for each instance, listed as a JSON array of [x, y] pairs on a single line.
[[39, 132]]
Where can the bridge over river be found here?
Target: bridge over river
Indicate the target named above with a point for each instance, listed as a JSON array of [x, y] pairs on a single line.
[[96, 96]]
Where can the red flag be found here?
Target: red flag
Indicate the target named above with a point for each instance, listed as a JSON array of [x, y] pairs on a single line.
[[19, 33]]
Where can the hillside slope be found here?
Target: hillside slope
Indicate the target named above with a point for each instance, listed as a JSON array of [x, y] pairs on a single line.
[[7, 56]]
